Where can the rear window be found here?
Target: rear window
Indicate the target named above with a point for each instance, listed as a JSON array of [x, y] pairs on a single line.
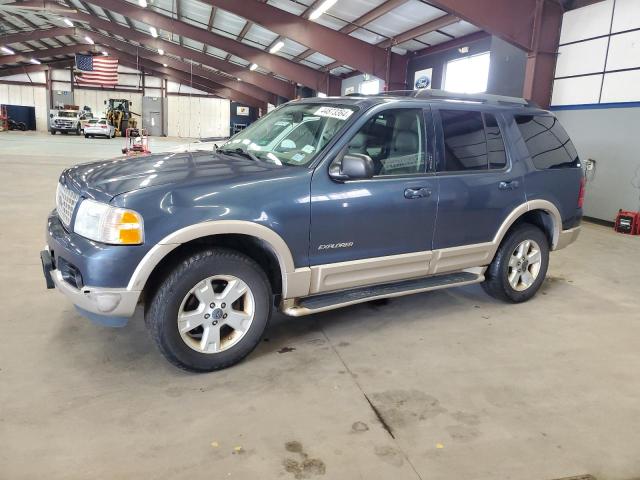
[[472, 141], [103, 122], [548, 143]]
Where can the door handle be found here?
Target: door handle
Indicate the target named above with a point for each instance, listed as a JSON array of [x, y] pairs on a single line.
[[512, 185], [418, 192]]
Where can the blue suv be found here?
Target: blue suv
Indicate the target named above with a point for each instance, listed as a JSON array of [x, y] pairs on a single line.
[[322, 203]]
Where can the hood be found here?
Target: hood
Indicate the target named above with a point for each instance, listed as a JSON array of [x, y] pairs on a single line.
[[106, 179]]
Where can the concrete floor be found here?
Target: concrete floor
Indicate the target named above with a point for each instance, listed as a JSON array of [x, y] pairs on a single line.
[[469, 388]]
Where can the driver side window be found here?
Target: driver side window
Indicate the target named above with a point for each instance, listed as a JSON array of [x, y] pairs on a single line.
[[394, 139]]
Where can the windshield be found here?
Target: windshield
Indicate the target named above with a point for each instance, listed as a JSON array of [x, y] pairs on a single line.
[[67, 114], [293, 134]]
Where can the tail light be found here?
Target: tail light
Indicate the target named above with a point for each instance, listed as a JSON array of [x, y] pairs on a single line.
[[583, 182]]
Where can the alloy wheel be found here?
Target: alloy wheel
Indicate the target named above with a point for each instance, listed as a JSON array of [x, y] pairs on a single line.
[[524, 265], [216, 314]]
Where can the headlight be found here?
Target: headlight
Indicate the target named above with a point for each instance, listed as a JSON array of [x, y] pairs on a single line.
[[106, 224]]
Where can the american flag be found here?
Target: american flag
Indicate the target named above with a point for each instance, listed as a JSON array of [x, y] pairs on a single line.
[[97, 70]]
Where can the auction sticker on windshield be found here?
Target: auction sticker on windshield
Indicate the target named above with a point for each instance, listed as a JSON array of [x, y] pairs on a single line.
[[334, 112]]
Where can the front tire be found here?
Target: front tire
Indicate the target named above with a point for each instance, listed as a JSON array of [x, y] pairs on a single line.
[[210, 311], [519, 266]]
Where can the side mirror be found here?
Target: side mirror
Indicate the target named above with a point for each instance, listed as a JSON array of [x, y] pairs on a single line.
[[354, 166]]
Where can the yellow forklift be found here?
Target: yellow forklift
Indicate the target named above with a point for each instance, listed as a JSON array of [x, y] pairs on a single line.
[[120, 116]]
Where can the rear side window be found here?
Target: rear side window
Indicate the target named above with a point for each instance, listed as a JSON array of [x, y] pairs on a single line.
[[548, 143], [472, 141]]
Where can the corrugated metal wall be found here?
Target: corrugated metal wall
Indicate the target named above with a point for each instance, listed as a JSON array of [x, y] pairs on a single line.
[[197, 117], [29, 97]]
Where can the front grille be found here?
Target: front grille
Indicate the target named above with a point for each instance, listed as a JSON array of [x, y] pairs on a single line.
[[66, 201]]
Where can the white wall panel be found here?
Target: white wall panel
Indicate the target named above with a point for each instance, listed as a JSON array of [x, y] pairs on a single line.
[[60, 74], [626, 15], [35, 77], [152, 92], [28, 97], [576, 91], [587, 22], [582, 58], [624, 51], [198, 116], [152, 81], [60, 86], [621, 87]]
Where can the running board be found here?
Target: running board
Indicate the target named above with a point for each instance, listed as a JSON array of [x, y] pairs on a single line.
[[330, 301]]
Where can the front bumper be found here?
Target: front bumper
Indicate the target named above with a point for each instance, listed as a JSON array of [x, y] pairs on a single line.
[[107, 306], [69, 261]]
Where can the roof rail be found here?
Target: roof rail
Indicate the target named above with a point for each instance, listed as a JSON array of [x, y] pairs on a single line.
[[467, 97]]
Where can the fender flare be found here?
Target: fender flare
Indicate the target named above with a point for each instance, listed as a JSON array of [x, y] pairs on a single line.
[[295, 282], [531, 205]]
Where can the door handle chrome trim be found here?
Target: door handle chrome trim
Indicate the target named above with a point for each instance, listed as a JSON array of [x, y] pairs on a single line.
[[418, 192], [512, 185]]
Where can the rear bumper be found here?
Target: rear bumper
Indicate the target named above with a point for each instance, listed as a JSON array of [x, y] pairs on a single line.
[[567, 237]]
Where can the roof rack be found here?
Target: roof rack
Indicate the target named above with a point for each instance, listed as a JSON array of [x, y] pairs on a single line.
[[467, 97]]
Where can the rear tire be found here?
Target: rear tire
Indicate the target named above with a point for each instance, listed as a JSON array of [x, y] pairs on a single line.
[[86, 136], [196, 319], [519, 266], [53, 132]]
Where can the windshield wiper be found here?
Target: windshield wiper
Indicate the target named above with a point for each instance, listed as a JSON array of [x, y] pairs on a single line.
[[239, 151]]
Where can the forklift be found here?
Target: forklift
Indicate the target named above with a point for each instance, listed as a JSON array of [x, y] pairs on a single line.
[[120, 116]]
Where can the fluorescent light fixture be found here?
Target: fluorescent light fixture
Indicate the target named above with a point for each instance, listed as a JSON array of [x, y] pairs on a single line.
[[253, 67], [279, 44], [324, 6], [142, 3], [68, 22], [161, 51], [239, 79], [34, 61], [105, 54], [8, 50], [463, 50], [89, 40], [164, 65], [153, 31]]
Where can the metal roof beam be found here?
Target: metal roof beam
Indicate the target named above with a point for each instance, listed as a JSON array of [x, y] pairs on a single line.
[[293, 71], [22, 37], [344, 48], [260, 81], [231, 84], [509, 20], [6, 72], [428, 27], [47, 52]]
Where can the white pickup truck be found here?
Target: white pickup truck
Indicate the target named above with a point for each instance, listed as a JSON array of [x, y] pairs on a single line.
[[65, 121]]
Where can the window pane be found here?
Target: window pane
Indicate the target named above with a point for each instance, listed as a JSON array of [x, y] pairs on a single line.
[[495, 143], [465, 143], [394, 141], [468, 74], [548, 143]]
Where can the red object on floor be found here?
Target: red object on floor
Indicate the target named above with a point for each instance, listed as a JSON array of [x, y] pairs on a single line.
[[627, 222]]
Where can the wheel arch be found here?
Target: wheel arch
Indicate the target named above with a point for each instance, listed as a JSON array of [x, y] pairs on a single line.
[[541, 213], [258, 242]]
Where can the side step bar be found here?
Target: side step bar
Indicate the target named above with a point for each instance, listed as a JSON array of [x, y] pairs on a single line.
[[330, 301]]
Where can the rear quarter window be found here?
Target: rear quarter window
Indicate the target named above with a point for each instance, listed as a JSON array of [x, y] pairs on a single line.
[[548, 143]]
